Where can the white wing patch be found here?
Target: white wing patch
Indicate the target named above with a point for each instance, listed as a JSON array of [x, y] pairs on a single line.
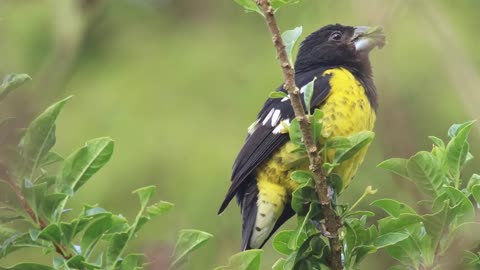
[[275, 117], [282, 127], [265, 121], [285, 98]]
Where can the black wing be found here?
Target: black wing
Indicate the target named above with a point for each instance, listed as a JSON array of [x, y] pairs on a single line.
[[262, 142]]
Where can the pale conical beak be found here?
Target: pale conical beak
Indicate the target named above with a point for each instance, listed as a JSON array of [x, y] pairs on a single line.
[[366, 38]]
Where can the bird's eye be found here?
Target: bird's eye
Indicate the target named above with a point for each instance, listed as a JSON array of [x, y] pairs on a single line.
[[337, 36]]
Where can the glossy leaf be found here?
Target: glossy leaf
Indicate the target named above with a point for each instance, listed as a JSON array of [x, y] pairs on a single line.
[[85, 162], [290, 37], [159, 208], [437, 141], [301, 177], [145, 194], [39, 138], [27, 266], [116, 246], [280, 242], [188, 241], [295, 133], [11, 82], [246, 260], [307, 91], [358, 142], [249, 5], [51, 158], [94, 233], [427, 173], [457, 149], [389, 239], [473, 181], [276, 4], [393, 207], [277, 94], [395, 165]]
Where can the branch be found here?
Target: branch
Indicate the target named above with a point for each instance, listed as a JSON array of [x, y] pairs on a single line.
[[4, 175], [332, 221]]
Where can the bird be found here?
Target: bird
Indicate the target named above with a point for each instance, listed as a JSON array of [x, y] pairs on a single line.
[[337, 57]]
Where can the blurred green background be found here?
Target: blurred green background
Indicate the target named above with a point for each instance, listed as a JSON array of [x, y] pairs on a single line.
[[176, 83]]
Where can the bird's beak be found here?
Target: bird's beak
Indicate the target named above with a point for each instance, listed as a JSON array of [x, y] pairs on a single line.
[[366, 38]]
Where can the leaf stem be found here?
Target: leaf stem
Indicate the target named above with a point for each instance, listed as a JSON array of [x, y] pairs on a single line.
[[4, 175], [332, 220]]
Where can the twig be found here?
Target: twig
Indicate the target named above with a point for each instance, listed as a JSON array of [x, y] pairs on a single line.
[[332, 221], [60, 249]]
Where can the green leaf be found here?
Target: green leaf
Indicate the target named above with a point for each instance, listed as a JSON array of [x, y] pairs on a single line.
[[301, 198], [11, 82], [280, 242], [246, 260], [460, 208], [83, 163], [307, 91], [299, 235], [132, 261], [437, 223], [159, 208], [50, 203], [116, 246], [399, 224], [277, 94], [393, 207], [427, 173], [453, 130], [301, 176], [276, 4], [27, 266], [437, 141], [19, 241], [39, 138], [290, 37], [395, 165], [50, 233], [358, 142], [457, 149], [474, 180], [389, 239], [188, 241], [95, 232], [338, 142], [249, 6], [476, 193], [51, 158], [295, 133], [310, 255], [145, 194], [279, 264]]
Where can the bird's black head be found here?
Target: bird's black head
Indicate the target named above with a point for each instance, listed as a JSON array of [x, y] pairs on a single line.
[[338, 45]]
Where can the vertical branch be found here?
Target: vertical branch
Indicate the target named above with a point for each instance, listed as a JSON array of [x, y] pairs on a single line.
[[332, 221]]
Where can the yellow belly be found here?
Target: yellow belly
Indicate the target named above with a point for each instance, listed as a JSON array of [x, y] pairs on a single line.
[[346, 111]]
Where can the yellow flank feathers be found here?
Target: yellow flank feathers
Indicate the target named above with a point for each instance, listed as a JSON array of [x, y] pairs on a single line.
[[346, 111]]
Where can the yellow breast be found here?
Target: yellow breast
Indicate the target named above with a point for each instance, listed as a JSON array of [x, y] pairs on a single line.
[[346, 111]]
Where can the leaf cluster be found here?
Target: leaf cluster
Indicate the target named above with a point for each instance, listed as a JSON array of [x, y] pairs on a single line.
[[44, 181]]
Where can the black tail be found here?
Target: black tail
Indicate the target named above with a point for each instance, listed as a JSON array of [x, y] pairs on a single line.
[[248, 202]]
